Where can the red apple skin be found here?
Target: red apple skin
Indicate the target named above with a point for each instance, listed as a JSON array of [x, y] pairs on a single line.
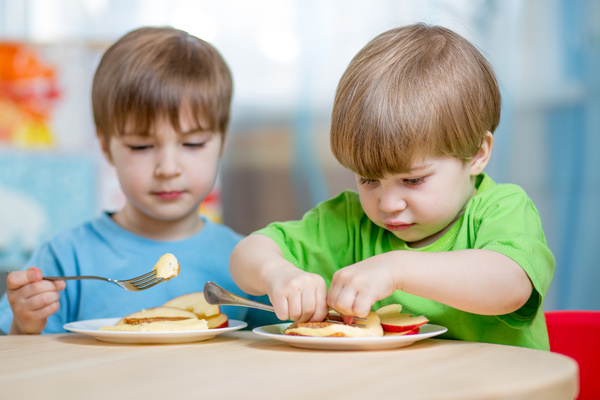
[[223, 325], [217, 321], [410, 324], [411, 332]]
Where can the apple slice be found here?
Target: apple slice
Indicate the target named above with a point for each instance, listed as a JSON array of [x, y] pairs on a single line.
[[392, 320], [196, 303], [217, 321], [410, 332], [403, 322], [391, 309]]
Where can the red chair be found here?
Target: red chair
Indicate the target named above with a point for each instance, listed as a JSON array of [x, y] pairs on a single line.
[[577, 334]]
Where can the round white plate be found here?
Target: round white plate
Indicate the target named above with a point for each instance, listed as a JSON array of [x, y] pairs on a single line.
[[90, 327], [345, 343]]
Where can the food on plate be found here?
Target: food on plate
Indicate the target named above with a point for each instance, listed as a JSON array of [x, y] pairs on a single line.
[[336, 329], [386, 321], [397, 323], [159, 319], [167, 267], [197, 304], [217, 321], [187, 312]]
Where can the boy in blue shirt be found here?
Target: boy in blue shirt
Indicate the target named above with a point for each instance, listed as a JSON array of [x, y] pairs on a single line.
[[161, 102]]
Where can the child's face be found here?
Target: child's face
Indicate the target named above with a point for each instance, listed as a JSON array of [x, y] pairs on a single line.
[[418, 207], [165, 175]]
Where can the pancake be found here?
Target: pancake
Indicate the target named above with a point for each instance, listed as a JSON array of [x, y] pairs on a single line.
[[167, 267], [159, 319], [336, 329], [196, 303]]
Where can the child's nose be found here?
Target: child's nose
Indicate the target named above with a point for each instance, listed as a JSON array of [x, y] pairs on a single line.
[[391, 200], [167, 164]]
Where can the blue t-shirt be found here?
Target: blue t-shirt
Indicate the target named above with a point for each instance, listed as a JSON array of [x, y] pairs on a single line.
[[103, 248]]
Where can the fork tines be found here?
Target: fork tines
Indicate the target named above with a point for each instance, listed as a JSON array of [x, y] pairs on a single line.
[[146, 281]]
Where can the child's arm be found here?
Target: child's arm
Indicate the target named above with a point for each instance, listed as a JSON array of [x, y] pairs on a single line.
[[32, 300], [258, 267], [477, 281]]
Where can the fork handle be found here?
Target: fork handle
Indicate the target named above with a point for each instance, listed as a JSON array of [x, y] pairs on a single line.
[[68, 278], [215, 294]]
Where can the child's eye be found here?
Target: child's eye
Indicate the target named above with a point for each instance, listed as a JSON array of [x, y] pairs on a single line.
[[367, 181], [194, 145], [139, 147], [414, 181]]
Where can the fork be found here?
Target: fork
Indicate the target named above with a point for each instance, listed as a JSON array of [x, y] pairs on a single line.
[[215, 294], [141, 282]]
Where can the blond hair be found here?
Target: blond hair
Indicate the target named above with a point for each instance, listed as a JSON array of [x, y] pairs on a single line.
[[155, 73], [414, 91]]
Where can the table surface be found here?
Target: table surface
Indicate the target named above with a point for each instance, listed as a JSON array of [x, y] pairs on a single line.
[[244, 365]]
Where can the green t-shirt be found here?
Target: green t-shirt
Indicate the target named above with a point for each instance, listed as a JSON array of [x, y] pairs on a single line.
[[501, 218]]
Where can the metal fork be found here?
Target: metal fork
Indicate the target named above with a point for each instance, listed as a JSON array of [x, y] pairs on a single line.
[[215, 294], [142, 282]]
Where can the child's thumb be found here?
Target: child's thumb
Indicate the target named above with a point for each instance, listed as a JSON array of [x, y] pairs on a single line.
[[34, 274], [18, 279]]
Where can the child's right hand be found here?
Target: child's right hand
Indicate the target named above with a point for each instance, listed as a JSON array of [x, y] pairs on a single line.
[[257, 266], [297, 295], [32, 300]]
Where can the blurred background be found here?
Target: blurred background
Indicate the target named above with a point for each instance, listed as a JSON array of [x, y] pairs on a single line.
[[287, 57]]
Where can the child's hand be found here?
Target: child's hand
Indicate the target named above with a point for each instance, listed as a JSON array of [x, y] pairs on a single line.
[[258, 267], [32, 300], [355, 288], [297, 295]]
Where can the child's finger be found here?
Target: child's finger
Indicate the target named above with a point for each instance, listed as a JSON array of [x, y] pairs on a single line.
[[342, 300], [32, 297], [280, 305], [34, 274], [322, 308], [362, 304], [18, 279], [351, 302], [295, 305], [309, 305], [43, 300], [58, 285], [34, 321], [314, 300]]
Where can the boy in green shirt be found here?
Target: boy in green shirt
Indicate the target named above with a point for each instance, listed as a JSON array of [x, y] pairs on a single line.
[[413, 118]]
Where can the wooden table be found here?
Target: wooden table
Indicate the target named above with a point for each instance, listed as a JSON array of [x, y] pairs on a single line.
[[242, 365]]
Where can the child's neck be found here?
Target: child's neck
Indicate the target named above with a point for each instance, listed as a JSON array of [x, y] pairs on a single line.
[[161, 230]]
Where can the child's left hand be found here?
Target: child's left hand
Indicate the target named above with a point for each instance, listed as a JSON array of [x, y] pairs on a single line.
[[355, 288]]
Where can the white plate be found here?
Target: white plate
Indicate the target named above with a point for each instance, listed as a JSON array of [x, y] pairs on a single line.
[[345, 343], [90, 327]]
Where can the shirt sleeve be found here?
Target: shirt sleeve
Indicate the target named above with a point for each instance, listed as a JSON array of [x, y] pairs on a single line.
[[323, 241], [509, 223]]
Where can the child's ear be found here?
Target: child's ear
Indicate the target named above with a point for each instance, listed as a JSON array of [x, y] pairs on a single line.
[[104, 145], [480, 160], [223, 144]]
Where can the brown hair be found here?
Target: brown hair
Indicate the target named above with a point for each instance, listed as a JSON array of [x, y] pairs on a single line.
[[414, 91], [154, 73]]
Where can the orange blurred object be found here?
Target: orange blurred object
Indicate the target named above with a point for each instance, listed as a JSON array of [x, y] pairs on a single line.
[[28, 92]]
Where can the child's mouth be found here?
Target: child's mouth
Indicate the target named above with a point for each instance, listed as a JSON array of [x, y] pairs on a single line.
[[398, 227], [168, 195]]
